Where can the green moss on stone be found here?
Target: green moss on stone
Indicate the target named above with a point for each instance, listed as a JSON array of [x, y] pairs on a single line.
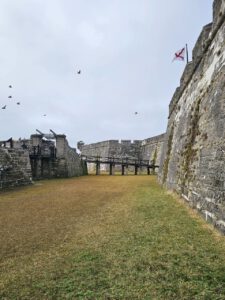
[[169, 148], [189, 152]]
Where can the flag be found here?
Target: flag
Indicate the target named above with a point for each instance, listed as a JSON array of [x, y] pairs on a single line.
[[179, 55]]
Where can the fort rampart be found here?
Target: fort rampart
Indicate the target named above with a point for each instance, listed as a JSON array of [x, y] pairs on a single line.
[[193, 157]]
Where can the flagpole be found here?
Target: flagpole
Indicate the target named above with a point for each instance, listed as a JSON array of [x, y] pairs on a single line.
[[187, 53]]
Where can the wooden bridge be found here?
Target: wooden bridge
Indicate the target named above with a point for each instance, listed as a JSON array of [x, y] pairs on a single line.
[[124, 162]]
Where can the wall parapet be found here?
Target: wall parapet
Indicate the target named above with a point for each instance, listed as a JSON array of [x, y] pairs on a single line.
[[201, 47], [153, 139]]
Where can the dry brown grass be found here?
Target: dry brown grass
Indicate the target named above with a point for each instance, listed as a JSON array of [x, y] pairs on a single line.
[[42, 224], [52, 212], [106, 237]]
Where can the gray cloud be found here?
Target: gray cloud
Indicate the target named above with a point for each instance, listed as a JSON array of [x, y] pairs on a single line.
[[124, 49]]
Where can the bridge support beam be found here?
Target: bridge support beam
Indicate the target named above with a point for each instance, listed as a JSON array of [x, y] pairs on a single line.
[[111, 169], [137, 164], [123, 169], [135, 170], [97, 168]]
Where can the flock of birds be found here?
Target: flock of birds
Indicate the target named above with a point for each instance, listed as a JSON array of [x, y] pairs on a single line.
[[10, 97], [44, 115]]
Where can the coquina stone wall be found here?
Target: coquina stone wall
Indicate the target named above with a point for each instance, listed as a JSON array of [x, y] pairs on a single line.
[[68, 162], [193, 156], [148, 149], [151, 149], [38, 158], [15, 168], [111, 148], [54, 158]]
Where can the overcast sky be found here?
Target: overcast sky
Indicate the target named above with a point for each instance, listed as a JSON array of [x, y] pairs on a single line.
[[124, 49]]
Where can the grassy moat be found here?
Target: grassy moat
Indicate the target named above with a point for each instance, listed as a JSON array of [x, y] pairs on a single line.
[[106, 237]]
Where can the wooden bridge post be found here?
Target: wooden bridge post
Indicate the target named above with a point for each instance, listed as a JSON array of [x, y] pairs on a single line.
[[127, 169], [140, 166], [111, 169], [123, 168], [135, 169], [97, 167]]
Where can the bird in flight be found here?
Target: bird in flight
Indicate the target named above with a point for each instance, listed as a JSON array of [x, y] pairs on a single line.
[[18, 103], [10, 86], [9, 97], [136, 113], [4, 107], [79, 72], [44, 115]]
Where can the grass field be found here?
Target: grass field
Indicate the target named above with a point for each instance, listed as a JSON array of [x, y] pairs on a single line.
[[106, 237]]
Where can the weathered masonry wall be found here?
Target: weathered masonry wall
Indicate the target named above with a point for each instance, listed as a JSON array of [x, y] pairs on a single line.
[[38, 158], [54, 159], [15, 168], [193, 156], [68, 163], [151, 149], [111, 148], [148, 149]]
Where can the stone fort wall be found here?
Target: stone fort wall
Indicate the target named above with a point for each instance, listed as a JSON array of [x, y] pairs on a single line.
[[15, 168], [68, 162], [113, 148], [65, 161], [148, 149], [151, 148], [38, 158], [193, 156]]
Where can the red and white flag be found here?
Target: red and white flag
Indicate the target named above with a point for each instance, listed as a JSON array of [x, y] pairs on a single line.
[[179, 55]]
